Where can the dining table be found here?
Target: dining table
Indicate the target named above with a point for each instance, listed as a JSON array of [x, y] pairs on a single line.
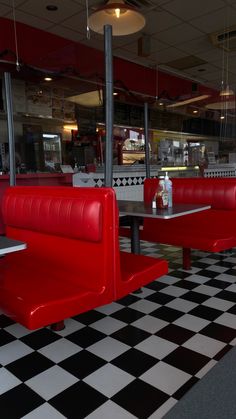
[[135, 211], [8, 245]]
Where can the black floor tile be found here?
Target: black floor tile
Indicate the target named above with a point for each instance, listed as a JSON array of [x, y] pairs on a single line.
[[5, 337], [219, 332], [19, 401], [140, 399], [227, 295], [179, 274], [207, 313], [127, 315], [78, 401], [160, 298], [188, 285], [86, 337], [127, 300], [167, 313], [218, 283], [232, 310], [130, 335], [186, 360], [195, 297], [156, 285], [30, 365], [186, 387], [82, 364], [89, 317], [207, 273], [175, 334], [134, 362], [40, 338], [223, 352], [5, 321]]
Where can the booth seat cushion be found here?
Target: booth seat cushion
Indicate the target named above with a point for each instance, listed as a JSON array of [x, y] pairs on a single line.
[[73, 217]]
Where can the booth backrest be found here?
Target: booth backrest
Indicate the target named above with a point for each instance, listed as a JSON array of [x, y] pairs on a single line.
[[67, 228], [219, 193]]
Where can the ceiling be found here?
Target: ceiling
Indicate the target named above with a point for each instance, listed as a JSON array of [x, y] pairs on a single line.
[[175, 38]]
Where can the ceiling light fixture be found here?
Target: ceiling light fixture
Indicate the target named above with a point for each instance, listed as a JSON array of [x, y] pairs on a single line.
[[123, 18]]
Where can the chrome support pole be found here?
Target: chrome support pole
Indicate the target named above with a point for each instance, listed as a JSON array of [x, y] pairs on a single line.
[[147, 161], [109, 105], [10, 124]]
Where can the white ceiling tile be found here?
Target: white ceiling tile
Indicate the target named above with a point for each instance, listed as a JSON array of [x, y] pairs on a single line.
[[201, 44], [10, 4], [30, 20], [160, 20], [4, 9], [187, 9], [168, 54], [66, 33], [38, 8], [178, 34], [215, 21], [76, 22]]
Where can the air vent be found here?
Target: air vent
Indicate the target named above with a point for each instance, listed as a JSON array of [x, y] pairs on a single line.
[[225, 39]]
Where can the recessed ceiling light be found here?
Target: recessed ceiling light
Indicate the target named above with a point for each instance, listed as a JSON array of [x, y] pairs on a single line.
[[48, 78], [51, 7]]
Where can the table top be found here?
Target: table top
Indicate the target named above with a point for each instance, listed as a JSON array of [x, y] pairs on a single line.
[[8, 245], [140, 209]]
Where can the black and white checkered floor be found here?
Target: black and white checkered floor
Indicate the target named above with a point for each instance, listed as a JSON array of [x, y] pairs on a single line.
[[134, 358]]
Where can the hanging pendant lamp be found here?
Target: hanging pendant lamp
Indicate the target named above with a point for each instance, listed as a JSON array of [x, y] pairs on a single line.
[[123, 18]]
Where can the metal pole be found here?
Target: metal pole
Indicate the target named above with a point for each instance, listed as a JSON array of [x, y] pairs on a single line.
[[10, 124], [147, 162], [109, 105]]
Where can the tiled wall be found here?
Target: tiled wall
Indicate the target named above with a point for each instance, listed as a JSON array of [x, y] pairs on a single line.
[[128, 187]]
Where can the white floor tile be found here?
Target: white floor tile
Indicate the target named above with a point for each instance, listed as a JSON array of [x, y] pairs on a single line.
[[7, 380], [12, 351], [218, 303], [109, 308], [204, 345], [144, 306], [108, 325], [60, 350], [174, 291], [227, 319], [227, 278], [51, 382], [165, 377], [150, 324], [108, 348], [182, 305], [156, 346], [17, 330], [109, 379], [110, 410], [231, 288], [169, 280], [191, 322], [199, 279], [205, 289], [159, 414], [206, 368], [71, 326], [45, 411]]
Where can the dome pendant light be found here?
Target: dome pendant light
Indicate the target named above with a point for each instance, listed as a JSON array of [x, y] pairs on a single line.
[[123, 18]]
